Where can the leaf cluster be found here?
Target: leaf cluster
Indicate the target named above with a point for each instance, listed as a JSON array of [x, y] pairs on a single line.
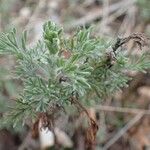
[[57, 67]]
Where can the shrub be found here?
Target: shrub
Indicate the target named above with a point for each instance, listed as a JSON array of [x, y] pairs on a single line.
[[59, 71]]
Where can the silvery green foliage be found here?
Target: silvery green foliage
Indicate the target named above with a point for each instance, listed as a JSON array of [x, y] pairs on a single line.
[[50, 77]]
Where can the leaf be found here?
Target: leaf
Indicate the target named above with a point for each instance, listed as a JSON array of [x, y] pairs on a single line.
[[24, 39], [52, 34], [83, 82]]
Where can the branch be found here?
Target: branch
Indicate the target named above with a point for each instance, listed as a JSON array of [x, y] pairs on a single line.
[[138, 38], [122, 109], [123, 130], [76, 102], [93, 126]]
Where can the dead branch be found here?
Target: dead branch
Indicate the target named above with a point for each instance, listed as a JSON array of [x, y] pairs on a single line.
[[122, 109], [123, 130], [140, 39]]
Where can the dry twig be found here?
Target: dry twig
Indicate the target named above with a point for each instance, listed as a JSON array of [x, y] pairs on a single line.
[[138, 38], [123, 130], [122, 109]]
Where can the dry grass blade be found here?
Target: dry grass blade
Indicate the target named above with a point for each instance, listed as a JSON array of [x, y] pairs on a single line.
[[123, 130], [122, 109]]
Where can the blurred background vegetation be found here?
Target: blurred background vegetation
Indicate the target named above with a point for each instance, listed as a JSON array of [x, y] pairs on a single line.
[[110, 18]]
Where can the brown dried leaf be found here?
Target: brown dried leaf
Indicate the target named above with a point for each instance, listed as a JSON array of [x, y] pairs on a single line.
[[44, 119], [91, 134], [34, 130]]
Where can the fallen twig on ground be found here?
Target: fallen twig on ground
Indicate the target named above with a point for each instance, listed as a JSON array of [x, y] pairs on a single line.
[[123, 130], [122, 109]]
